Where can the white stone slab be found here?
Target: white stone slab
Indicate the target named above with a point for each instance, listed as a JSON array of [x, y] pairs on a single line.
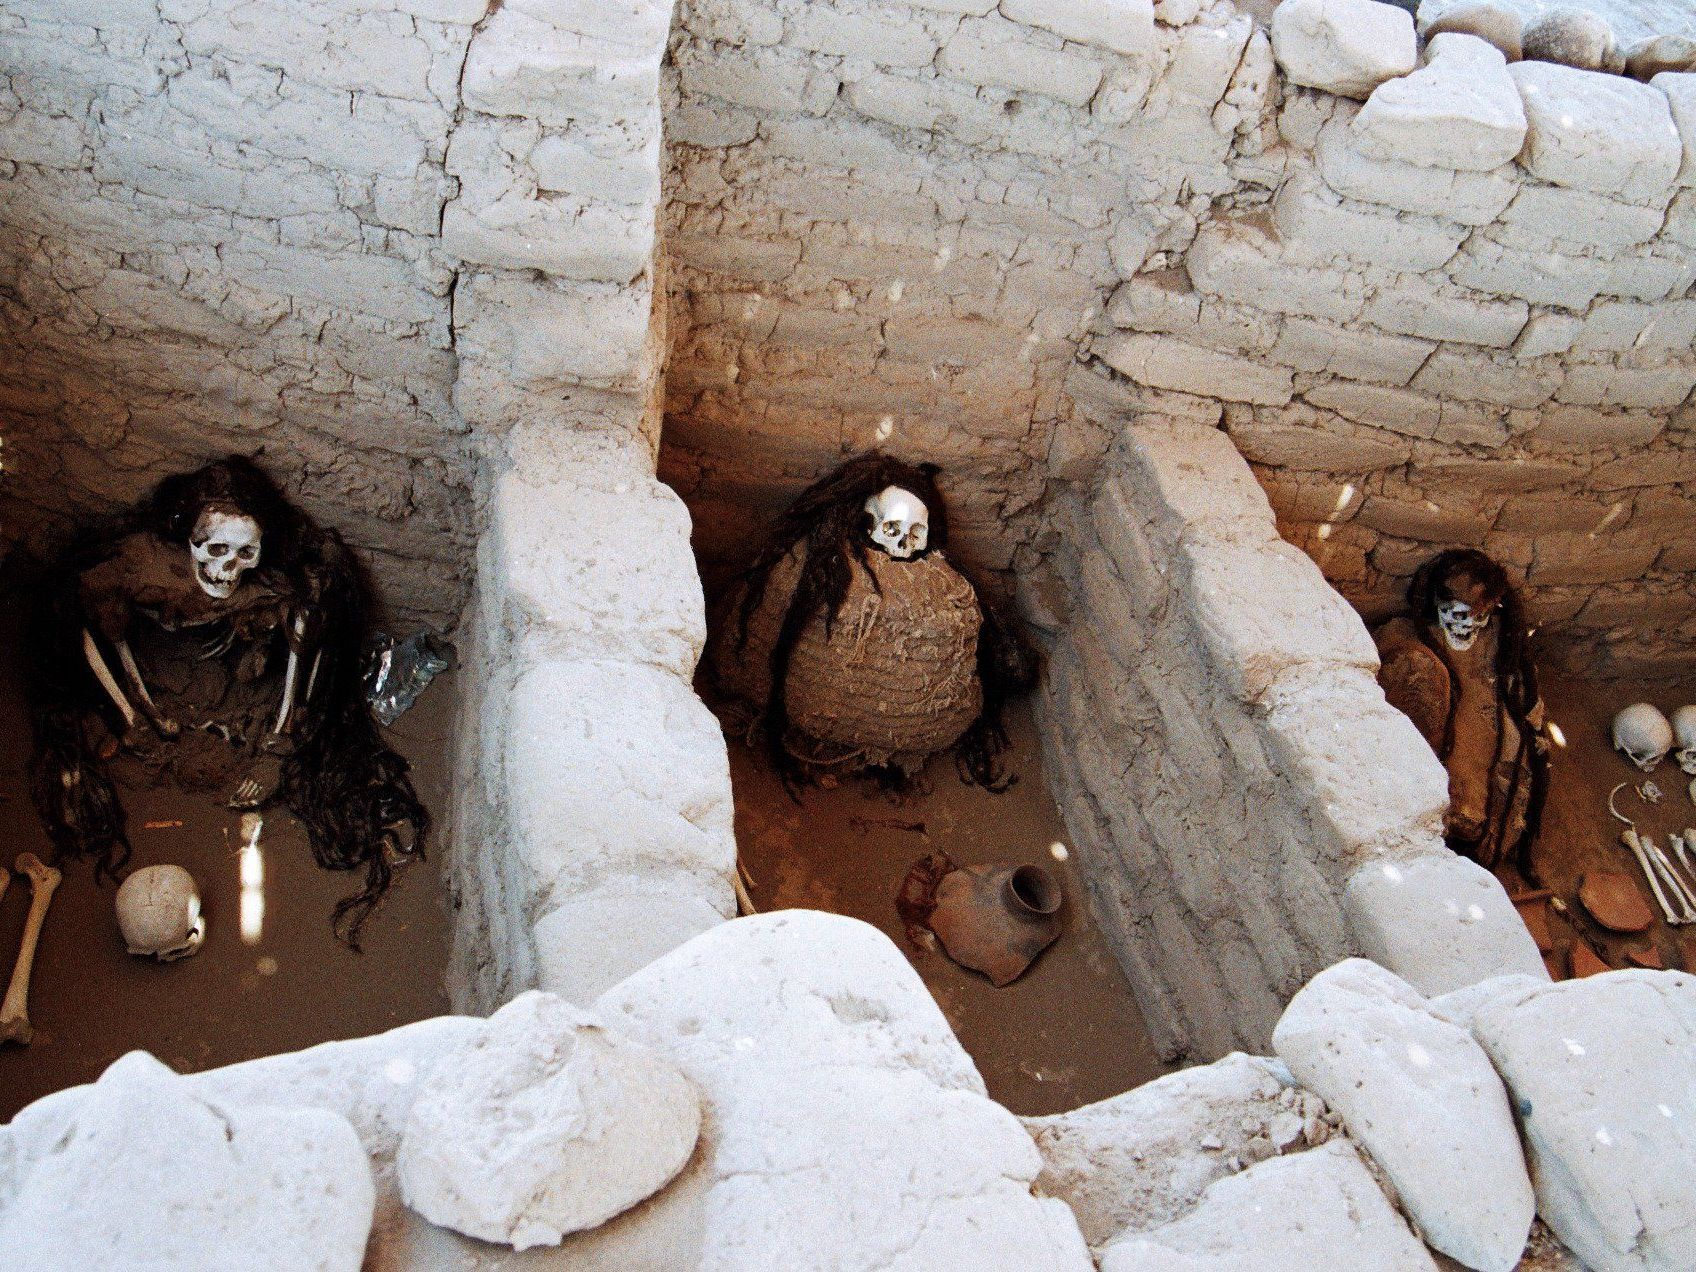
[[1347, 47], [1461, 110]]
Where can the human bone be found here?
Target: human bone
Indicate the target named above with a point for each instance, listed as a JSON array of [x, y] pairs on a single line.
[[1571, 37], [1460, 623], [225, 545], [900, 522], [159, 913], [14, 1012], [1644, 734], [1684, 736]]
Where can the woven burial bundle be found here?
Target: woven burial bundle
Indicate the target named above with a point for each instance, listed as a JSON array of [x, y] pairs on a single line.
[[894, 682]]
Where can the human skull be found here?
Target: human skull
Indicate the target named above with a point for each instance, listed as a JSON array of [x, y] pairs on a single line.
[[159, 913], [225, 546], [1460, 623], [900, 522], [1684, 732], [1643, 733]]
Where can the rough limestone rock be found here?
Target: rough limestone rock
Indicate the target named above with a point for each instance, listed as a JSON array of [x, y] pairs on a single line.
[[846, 1128], [1498, 26], [1139, 1159], [1347, 47], [148, 1174], [1439, 922], [1319, 1209], [1460, 110], [1420, 1095], [1681, 96], [1571, 37], [597, 937], [1660, 55], [1600, 1070], [1597, 132], [548, 1123]]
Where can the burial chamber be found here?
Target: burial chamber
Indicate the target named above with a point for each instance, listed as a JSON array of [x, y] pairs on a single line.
[[550, 306]]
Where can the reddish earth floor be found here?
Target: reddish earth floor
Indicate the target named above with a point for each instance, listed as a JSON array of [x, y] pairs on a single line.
[[291, 987], [1068, 1032], [1580, 834]]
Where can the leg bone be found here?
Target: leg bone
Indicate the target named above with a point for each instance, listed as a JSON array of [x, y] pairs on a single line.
[[1630, 840], [108, 682], [14, 1012], [126, 659]]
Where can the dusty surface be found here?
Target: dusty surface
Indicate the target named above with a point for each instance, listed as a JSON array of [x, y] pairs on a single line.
[[1065, 1034], [1579, 834], [292, 987]]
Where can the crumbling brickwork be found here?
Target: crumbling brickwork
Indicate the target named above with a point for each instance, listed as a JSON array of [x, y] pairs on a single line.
[[218, 232]]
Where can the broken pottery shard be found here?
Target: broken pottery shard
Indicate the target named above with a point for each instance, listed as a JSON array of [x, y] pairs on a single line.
[[1419, 1093], [1600, 1072], [1460, 110], [1585, 961], [546, 1123], [1614, 901], [147, 1175], [1347, 47], [1535, 914], [1319, 1209]]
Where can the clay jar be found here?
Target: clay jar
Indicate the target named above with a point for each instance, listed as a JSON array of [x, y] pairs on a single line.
[[997, 919]]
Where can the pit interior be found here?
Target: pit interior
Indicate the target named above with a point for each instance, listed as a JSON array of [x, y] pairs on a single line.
[[854, 252]]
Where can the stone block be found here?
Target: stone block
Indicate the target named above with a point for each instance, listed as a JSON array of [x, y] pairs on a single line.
[[759, 79], [1598, 132], [1315, 1209], [519, 65], [1355, 766], [997, 59], [1614, 326], [1420, 1096], [1437, 920], [1475, 377], [1260, 609], [596, 938], [1166, 363], [1472, 198], [186, 1182], [1541, 217], [1177, 476], [1240, 261], [1399, 410], [1352, 353], [1318, 224], [1680, 88], [1134, 1161], [830, 1075], [1461, 110], [1542, 278], [1599, 1069], [1547, 333], [1566, 557], [1458, 521], [1657, 387], [547, 1123], [1415, 307], [1346, 47], [614, 769], [589, 556], [1119, 26], [879, 36], [541, 332]]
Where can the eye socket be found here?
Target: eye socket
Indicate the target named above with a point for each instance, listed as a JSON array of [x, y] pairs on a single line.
[[218, 550], [248, 553], [892, 527]]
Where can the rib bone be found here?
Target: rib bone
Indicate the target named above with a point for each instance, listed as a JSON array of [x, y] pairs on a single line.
[[14, 1012]]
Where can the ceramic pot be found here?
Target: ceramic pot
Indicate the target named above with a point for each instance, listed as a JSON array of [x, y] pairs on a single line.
[[997, 919]]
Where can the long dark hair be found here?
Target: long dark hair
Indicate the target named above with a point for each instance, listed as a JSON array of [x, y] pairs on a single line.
[[351, 792], [1516, 684], [828, 521]]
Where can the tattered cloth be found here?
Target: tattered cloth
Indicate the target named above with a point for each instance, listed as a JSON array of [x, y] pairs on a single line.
[[894, 683]]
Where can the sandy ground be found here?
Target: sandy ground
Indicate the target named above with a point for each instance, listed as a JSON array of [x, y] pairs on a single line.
[[1068, 1032], [1579, 833], [292, 987]]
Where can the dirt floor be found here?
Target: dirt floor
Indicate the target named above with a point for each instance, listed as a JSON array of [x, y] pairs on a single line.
[[1066, 1033], [1580, 834], [290, 986]]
